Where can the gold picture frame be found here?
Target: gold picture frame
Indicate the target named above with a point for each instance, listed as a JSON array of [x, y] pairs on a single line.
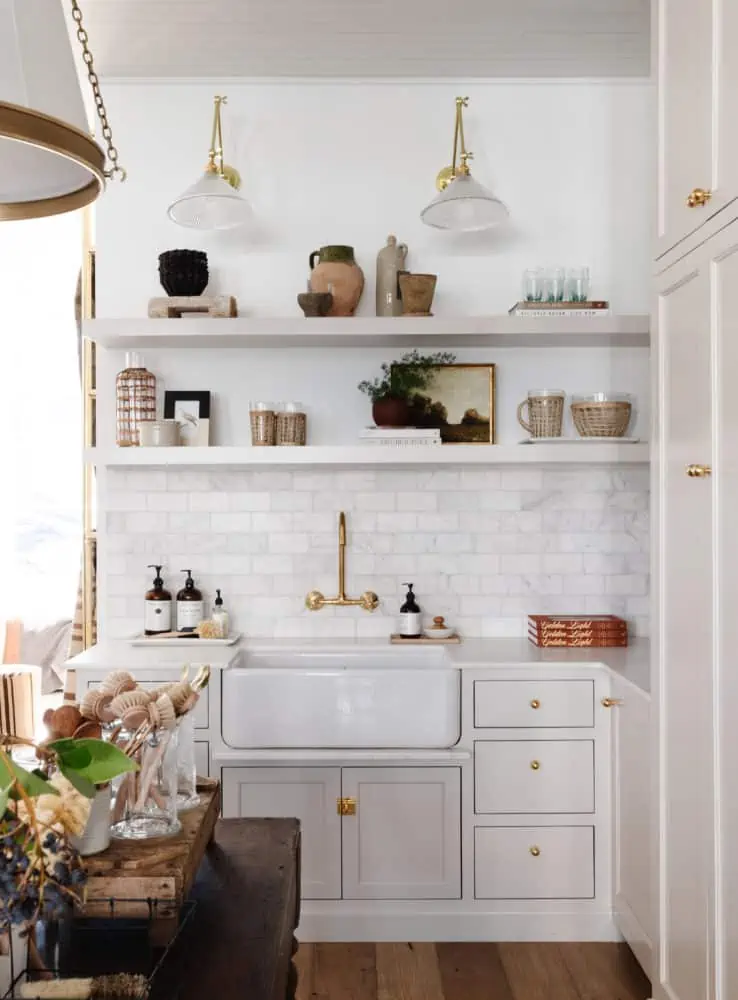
[[450, 395]]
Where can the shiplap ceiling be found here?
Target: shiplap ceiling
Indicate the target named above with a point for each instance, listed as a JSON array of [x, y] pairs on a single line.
[[369, 38]]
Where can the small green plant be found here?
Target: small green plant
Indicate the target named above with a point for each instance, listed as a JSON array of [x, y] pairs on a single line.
[[404, 378]]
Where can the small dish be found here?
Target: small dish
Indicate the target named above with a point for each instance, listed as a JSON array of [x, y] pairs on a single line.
[[438, 630]]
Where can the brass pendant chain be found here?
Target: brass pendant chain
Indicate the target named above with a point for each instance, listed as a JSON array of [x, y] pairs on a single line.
[[107, 133]]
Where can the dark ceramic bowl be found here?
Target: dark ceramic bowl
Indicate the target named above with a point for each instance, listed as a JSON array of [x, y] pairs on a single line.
[[183, 272]]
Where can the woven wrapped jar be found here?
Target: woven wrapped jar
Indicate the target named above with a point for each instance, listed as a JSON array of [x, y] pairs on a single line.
[[602, 414]]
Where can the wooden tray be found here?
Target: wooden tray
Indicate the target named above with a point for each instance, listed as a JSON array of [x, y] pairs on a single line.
[[423, 640]]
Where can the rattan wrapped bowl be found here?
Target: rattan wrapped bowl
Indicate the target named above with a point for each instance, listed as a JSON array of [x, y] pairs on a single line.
[[602, 414]]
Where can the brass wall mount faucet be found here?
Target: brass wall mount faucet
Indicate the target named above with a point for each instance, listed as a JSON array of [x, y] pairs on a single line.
[[368, 600]]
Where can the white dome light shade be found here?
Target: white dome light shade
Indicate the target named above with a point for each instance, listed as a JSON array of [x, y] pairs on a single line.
[[211, 203], [464, 206], [49, 163]]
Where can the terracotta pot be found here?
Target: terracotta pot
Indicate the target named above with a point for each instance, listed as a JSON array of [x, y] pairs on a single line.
[[391, 412], [337, 272], [416, 292]]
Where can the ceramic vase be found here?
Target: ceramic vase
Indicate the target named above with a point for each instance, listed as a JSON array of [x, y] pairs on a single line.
[[416, 291], [391, 412], [337, 272], [390, 262], [96, 837]]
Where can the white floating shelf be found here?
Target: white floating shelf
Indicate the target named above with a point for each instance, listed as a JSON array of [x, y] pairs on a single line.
[[370, 331], [573, 453]]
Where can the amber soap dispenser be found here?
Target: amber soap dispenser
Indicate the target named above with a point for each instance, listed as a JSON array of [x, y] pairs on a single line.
[[157, 607], [190, 607]]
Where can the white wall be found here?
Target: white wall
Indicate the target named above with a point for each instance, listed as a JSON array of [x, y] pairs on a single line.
[[349, 163]]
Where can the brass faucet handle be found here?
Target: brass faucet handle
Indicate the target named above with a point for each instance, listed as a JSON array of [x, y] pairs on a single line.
[[369, 601], [314, 600]]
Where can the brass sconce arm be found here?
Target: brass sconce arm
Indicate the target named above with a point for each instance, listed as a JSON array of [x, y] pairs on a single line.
[[448, 174], [368, 600]]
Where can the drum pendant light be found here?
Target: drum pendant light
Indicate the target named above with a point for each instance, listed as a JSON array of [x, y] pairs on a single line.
[[49, 162], [463, 205]]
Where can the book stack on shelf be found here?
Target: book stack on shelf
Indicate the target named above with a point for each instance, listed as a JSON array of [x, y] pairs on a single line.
[[536, 310], [577, 630], [401, 437]]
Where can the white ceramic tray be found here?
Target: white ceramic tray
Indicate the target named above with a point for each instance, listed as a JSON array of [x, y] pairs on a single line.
[[581, 440], [150, 640]]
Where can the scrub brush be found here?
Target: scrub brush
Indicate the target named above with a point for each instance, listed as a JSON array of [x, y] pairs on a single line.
[[118, 987]]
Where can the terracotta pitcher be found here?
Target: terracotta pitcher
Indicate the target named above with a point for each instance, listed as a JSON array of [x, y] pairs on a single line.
[[337, 272]]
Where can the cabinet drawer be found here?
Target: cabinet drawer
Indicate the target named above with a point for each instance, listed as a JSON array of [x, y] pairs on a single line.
[[540, 704], [534, 862], [534, 776]]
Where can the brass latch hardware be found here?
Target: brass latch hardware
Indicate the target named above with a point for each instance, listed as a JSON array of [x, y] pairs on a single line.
[[698, 471], [346, 807], [535, 703], [535, 765], [698, 198], [611, 702], [535, 851]]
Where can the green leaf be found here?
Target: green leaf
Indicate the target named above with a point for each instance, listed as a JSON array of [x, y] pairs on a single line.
[[31, 783], [75, 757], [4, 796], [83, 786], [106, 761], [62, 744]]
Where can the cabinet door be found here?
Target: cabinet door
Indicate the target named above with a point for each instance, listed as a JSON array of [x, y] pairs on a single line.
[[308, 793], [683, 685], [697, 51], [631, 737], [404, 841]]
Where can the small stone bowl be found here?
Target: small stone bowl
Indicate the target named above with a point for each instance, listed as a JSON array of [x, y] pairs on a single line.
[[315, 303]]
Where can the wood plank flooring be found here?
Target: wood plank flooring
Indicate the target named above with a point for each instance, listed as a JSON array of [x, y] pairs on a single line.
[[469, 971]]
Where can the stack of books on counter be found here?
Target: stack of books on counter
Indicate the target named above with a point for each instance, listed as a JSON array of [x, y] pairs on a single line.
[[535, 310], [577, 630], [402, 437]]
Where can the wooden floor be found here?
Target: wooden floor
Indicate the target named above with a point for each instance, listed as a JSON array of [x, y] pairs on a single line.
[[469, 972]]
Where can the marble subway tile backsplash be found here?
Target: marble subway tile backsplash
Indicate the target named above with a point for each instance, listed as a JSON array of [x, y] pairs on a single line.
[[484, 548]]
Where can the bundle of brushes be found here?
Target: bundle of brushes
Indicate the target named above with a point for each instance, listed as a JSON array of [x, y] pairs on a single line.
[[121, 986], [137, 717]]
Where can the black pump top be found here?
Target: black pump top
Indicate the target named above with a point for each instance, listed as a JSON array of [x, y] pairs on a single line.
[[411, 605], [189, 582], [158, 582], [218, 600]]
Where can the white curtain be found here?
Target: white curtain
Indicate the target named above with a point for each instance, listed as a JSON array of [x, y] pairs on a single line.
[[41, 422]]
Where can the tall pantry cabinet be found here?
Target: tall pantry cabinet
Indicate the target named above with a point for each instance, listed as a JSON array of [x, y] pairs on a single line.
[[695, 490]]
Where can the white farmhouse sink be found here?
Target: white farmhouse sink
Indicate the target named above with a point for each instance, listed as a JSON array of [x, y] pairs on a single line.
[[383, 698]]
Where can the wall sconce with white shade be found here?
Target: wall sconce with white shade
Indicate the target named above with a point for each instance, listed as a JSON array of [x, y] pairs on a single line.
[[213, 202], [463, 204], [49, 163]]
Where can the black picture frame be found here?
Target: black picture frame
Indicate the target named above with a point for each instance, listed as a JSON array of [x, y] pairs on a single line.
[[174, 396]]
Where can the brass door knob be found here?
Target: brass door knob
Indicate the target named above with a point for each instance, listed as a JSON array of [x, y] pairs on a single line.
[[611, 702], [535, 765], [535, 851], [699, 471], [535, 703], [698, 198]]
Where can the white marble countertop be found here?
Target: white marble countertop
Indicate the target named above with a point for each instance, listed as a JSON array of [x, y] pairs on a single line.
[[631, 663]]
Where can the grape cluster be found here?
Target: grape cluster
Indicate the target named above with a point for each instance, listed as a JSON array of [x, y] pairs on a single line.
[[37, 881]]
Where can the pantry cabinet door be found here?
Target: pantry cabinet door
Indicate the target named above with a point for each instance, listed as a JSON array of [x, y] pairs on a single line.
[[697, 55], [684, 679], [631, 737], [309, 794], [404, 840]]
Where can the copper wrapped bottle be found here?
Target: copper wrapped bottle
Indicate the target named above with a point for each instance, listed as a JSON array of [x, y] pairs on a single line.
[[135, 400]]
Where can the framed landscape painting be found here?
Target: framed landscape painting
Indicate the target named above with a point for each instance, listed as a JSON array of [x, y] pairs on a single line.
[[460, 401]]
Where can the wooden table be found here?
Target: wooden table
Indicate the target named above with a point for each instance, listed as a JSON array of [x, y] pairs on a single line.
[[239, 942], [162, 871]]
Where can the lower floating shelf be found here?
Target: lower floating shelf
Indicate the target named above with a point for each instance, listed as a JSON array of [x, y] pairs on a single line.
[[570, 453]]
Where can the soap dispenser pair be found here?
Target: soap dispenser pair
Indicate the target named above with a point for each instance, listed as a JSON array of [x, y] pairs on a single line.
[[190, 607]]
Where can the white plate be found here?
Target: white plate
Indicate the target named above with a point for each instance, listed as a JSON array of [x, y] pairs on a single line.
[[150, 640], [581, 440]]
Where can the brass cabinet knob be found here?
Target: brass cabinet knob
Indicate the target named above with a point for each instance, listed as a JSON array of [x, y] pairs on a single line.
[[346, 807], [535, 765], [698, 471], [611, 702], [535, 703], [698, 198], [535, 851]]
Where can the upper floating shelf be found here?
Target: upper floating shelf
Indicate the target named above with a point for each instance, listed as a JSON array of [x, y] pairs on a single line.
[[371, 331], [568, 453]]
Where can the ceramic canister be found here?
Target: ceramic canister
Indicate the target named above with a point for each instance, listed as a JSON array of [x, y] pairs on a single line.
[[159, 433]]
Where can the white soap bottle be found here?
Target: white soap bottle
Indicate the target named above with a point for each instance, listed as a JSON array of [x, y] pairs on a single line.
[[220, 616], [411, 618]]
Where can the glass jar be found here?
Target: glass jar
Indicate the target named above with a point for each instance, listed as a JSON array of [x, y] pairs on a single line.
[[145, 804], [555, 284], [187, 797], [263, 424], [533, 284], [577, 284], [135, 401], [291, 425]]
